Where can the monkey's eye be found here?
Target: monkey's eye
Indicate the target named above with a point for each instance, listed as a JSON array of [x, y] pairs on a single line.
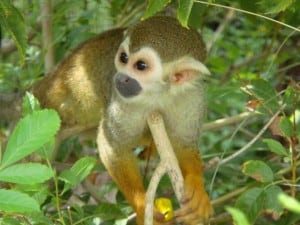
[[141, 65], [124, 57]]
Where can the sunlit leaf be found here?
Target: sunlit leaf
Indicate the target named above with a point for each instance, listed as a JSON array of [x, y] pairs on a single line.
[[238, 216], [77, 172], [16, 202], [26, 173], [31, 133], [289, 203]]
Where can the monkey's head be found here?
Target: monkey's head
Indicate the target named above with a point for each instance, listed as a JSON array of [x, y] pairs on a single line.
[[158, 56]]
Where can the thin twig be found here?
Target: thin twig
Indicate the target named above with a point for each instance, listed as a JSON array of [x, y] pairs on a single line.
[[46, 15], [229, 16], [217, 124], [260, 133]]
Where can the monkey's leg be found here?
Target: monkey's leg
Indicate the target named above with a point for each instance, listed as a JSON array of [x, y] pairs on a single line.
[[195, 202], [121, 165]]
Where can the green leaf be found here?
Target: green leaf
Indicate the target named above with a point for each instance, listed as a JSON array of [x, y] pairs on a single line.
[[258, 170], [238, 216], [272, 205], [38, 218], [289, 203], [77, 172], [46, 151], [290, 95], [184, 11], [276, 147], [280, 5], [30, 104], [12, 20], [108, 211], [30, 134], [26, 173], [17, 202], [155, 6], [40, 194], [286, 126], [263, 91], [257, 200], [251, 203]]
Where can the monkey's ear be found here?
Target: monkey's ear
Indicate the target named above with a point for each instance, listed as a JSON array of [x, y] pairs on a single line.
[[187, 69]]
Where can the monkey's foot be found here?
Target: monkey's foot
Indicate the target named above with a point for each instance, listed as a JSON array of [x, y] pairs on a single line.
[[196, 207]]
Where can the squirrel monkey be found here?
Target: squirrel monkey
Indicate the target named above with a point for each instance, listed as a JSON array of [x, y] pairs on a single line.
[[118, 79]]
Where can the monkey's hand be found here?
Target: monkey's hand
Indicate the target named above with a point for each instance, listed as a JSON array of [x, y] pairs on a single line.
[[160, 219], [196, 207]]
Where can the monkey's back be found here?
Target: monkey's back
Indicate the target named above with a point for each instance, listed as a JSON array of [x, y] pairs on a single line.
[[79, 88]]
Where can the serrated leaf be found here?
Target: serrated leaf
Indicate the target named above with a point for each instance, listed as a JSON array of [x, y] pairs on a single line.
[[12, 20], [258, 170], [276, 147], [46, 152], [17, 202], [26, 173], [289, 203], [238, 216], [30, 134], [251, 203], [29, 104], [155, 6], [184, 11], [286, 126], [77, 172]]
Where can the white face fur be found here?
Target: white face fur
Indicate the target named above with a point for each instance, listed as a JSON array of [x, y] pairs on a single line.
[[143, 73]]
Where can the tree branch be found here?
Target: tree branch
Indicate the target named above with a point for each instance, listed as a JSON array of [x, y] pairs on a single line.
[[168, 164], [229, 16], [46, 13], [217, 124]]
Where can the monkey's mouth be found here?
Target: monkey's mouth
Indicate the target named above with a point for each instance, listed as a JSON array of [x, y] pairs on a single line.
[[127, 86]]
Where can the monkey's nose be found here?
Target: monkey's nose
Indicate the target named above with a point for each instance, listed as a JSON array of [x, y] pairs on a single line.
[[126, 85]]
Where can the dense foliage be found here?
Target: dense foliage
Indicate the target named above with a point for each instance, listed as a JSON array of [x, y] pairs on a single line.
[[252, 163]]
